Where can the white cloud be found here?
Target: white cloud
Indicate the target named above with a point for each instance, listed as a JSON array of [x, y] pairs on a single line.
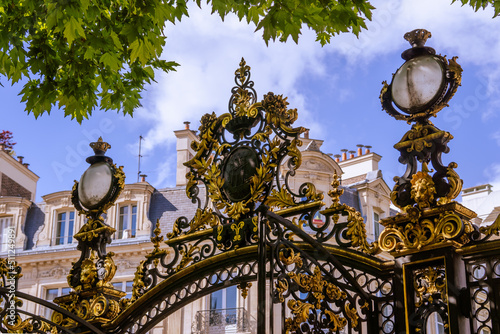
[[493, 175], [496, 136], [209, 52]]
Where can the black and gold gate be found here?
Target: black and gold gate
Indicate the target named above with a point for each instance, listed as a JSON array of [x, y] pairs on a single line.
[[430, 262]]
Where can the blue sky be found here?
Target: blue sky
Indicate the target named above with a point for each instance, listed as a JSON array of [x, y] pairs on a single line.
[[335, 88]]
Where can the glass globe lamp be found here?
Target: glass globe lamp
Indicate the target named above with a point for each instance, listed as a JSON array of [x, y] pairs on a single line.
[[96, 184], [418, 83], [423, 85]]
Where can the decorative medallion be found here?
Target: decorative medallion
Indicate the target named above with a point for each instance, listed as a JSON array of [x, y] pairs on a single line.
[[238, 170], [238, 156]]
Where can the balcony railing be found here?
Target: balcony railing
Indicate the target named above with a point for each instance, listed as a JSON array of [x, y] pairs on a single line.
[[223, 321]]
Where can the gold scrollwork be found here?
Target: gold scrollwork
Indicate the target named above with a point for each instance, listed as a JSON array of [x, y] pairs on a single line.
[[423, 232], [187, 257], [430, 283], [356, 229], [491, 229], [26, 325], [201, 220], [292, 258], [319, 290], [102, 307], [455, 183]]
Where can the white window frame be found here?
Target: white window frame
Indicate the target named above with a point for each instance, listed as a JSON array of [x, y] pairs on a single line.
[[68, 232], [47, 311], [123, 287], [131, 230], [224, 298], [377, 227], [6, 224]]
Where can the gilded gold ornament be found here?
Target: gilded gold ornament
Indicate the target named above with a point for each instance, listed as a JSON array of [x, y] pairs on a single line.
[[244, 287], [430, 283], [356, 229], [423, 189], [442, 225]]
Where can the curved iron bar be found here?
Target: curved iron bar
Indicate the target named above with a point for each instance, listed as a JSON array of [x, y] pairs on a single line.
[[307, 238], [207, 277], [53, 307], [42, 319]]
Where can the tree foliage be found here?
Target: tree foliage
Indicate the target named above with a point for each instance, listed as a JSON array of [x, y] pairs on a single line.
[[6, 139], [79, 55], [482, 4]]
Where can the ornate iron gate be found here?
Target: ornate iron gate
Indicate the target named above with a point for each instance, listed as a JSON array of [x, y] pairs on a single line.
[[438, 272]]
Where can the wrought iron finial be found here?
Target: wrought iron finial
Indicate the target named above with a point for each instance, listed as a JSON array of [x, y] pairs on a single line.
[[157, 239], [336, 191], [242, 72], [100, 147], [417, 37]]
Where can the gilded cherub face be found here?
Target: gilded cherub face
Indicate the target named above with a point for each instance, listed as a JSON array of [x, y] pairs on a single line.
[[422, 190], [88, 272]]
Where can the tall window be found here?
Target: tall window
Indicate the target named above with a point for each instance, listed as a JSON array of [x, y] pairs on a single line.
[[51, 294], [5, 233], [127, 221], [223, 299], [64, 227], [376, 225]]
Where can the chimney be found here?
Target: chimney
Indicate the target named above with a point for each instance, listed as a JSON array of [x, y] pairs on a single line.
[[351, 154], [20, 159], [26, 165], [344, 154], [306, 134], [184, 152], [360, 149], [368, 147], [337, 157], [143, 177]]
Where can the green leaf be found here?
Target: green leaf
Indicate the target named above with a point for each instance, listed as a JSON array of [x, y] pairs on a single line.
[[72, 30], [110, 60]]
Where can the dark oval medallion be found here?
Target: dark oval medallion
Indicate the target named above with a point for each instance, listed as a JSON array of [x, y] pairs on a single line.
[[238, 169]]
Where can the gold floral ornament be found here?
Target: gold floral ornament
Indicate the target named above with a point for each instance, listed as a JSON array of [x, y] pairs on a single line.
[[244, 100], [447, 225], [320, 293], [356, 229], [278, 114], [244, 287], [430, 284]]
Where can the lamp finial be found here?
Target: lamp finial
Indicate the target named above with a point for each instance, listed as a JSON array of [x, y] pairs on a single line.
[[417, 37]]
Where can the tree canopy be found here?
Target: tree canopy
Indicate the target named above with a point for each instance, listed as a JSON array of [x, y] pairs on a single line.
[[78, 55]]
